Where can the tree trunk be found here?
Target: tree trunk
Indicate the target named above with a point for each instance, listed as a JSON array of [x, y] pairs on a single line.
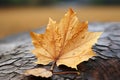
[[16, 57]]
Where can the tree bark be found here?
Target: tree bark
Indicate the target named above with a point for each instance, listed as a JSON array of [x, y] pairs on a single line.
[[16, 56]]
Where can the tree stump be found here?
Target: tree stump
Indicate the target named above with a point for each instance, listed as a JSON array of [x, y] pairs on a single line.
[[16, 56]]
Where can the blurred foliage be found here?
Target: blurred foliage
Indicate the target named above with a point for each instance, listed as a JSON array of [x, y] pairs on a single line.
[[26, 2], [49, 2], [105, 2]]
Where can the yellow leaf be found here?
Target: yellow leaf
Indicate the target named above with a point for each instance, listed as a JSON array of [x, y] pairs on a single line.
[[67, 42], [39, 72]]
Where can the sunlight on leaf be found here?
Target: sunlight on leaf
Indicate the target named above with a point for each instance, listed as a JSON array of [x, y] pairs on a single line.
[[39, 72], [67, 42]]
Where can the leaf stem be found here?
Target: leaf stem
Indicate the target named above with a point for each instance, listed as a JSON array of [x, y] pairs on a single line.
[[64, 72], [53, 65], [67, 72]]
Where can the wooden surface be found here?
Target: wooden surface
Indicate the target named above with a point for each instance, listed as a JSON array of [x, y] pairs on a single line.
[[14, 20], [15, 55]]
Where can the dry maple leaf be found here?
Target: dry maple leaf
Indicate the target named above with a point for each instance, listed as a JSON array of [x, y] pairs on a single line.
[[39, 72], [67, 42]]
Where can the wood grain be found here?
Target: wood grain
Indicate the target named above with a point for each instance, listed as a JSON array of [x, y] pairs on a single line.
[[16, 57]]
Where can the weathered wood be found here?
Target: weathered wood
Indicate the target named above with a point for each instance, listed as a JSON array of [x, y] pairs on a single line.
[[100, 69], [15, 55]]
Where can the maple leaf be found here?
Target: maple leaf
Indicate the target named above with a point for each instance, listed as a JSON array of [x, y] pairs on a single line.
[[67, 42]]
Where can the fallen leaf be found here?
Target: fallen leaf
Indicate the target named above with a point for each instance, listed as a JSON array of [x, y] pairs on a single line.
[[39, 72], [67, 42]]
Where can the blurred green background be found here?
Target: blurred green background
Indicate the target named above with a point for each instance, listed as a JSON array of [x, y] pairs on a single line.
[[25, 15], [49, 2]]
